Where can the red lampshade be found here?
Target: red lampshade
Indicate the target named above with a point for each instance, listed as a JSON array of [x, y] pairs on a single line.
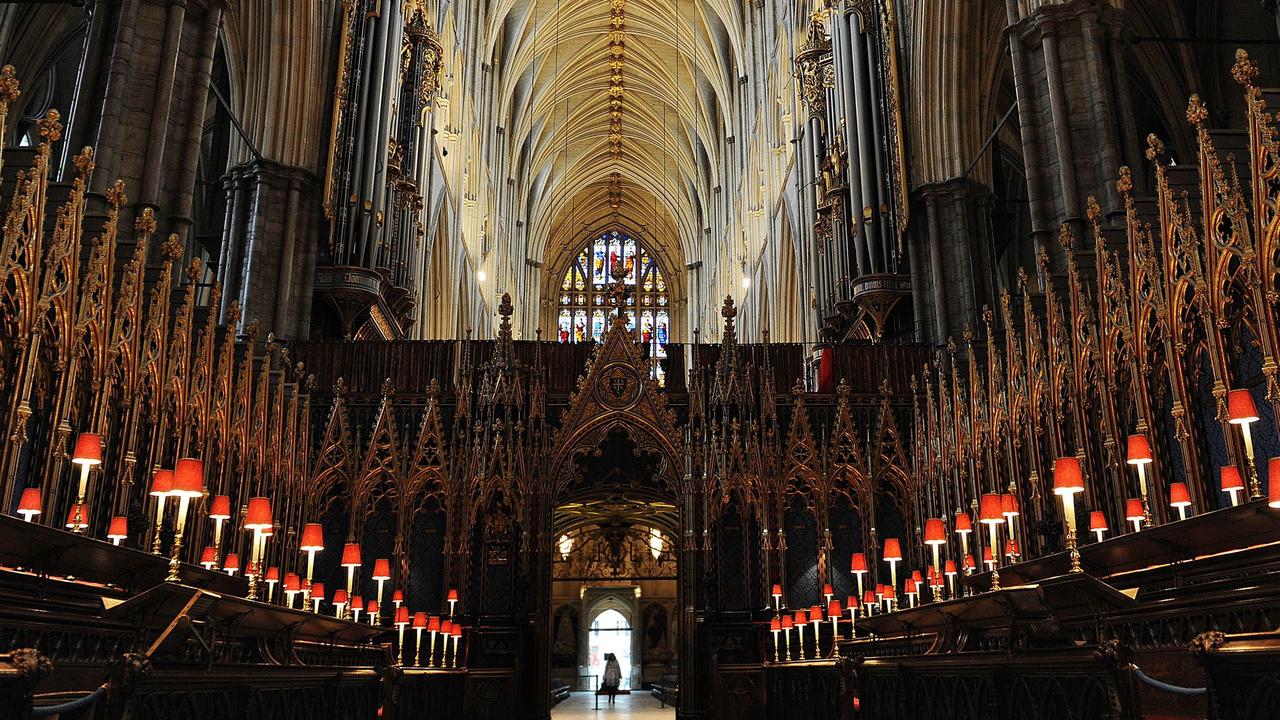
[[83, 522], [869, 597], [949, 567], [1273, 482], [312, 538], [1179, 496], [851, 602], [1139, 450], [1231, 479], [911, 586], [827, 590], [456, 631], [1009, 505], [292, 583], [357, 602], [220, 508], [815, 613], [119, 528], [788, 622], [777, 590], [273, 574], [340, 597], [162, 483], [1240, 407], [991, 512], [1011, 548], [419, 621], [859, 563], [964, 523], [434, 624], [233, 563], [1097, 521], [892, 550], [986, 555], [258, 516], [382, 569], [188, 478], [88, 449], [209, 556], [915, 575], [934, 532], [1133, 509], [402, 616], [969, 563], [317, 591], [351, 555], [453, 596], [890, 592], [446, 626], [1068, 478], [373, 607], [30, 502], [775, 624], [801, 617], [397, 596]]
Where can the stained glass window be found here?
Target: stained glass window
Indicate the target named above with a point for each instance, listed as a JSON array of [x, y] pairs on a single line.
[[584, 311]]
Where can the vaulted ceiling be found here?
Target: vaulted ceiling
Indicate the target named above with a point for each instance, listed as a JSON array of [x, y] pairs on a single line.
[[614, 110]]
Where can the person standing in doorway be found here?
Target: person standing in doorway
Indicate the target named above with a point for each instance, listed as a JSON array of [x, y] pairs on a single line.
[[612, 677]]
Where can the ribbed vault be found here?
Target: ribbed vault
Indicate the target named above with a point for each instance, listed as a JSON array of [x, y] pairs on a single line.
[[669, 63]]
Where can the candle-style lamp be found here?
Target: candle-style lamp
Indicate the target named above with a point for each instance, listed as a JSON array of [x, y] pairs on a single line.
[[1140, 456], [858, 566], [351, 561], [815, 618], [834, 611], [1098, 524], [987, 562], [317, 596], [1241, 411], [456, 634], [272, 576], [231, 565], [991, 514], [1135, 511], [401, 619], [1068, 480], [381, 574], [949, 569], [890, 597], [911, 588], [88, 453], [161, 488], [209, 557], [1232, 483], [964, 526], [775, 627], [1180, 498], [397, 598], [800, 618], [787, 623], [118, 530], [257, 519], [29, 505], [312, 543], [893, 555], [1010, 510], [219, 513], [339, 603], [188, 484], [371, 609], [935, 536], [869, 602], [828, 592], [357, 607], [453, 601], [446, 629], [777, 597], [851, 604], [419, 624], [433, 627], [78, 518], [292, 586]]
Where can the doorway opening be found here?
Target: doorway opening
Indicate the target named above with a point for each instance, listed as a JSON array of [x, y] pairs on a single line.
[[610, 634]]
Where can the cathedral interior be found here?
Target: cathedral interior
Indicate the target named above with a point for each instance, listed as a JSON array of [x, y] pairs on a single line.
[[697, 359]]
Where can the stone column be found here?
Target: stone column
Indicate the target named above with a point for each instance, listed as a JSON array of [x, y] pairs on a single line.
[[953, 231]]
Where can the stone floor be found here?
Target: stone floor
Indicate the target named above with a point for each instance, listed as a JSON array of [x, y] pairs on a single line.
[[639, 705]]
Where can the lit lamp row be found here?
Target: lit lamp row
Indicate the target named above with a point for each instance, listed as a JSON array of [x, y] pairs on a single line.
[[434, 625]]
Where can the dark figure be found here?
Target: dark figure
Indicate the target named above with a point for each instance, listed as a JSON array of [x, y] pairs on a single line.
[[612, 677]]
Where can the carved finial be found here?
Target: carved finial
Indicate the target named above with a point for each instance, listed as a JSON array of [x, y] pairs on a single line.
[[311, 382], [967, 334], [146, 222], [172, 248], [251, 330], [1197, 114], [728, 311], [1065, 236], [84, 163], [1155, 148], [1124, 185], [1245, 71], [233, 312], [193, 271], [843, 389], [1094, 209], [504, 308], [340, 387], [951, 345], [8, 84], [387, 388], [797, 388], [49, 128], [116, 194], [987, 316]]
